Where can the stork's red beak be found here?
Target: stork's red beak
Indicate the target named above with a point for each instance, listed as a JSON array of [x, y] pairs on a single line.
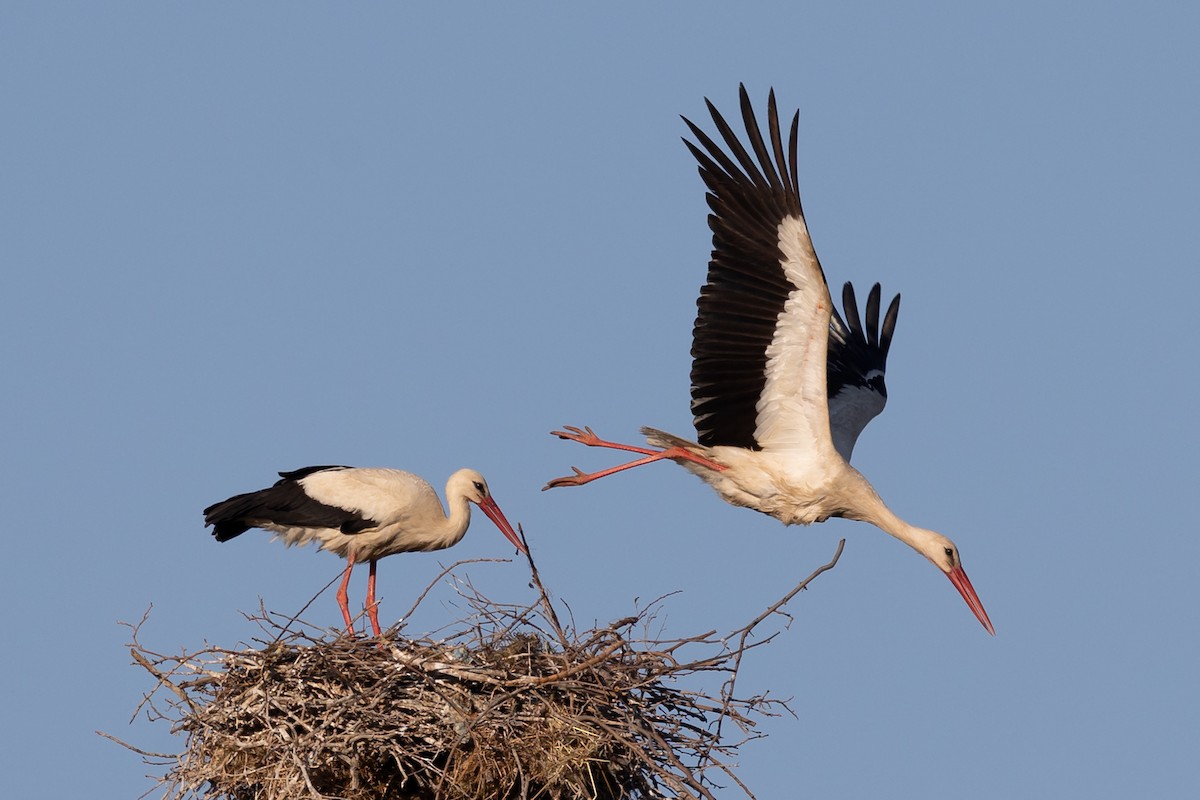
[[497, 516], [961, 582]]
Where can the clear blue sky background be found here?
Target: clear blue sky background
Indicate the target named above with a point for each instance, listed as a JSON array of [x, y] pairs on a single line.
[[239, 238]]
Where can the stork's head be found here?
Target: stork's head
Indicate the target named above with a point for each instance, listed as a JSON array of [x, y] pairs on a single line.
[[471, 485], [944, 554]]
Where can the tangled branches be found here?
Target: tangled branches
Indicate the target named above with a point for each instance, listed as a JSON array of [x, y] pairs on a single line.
[[506, 703]]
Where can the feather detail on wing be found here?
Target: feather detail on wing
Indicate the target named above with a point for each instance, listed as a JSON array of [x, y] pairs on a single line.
[[763, 321], [857, 360]]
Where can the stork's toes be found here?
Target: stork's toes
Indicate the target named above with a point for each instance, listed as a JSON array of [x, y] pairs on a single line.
[[583, 435], [578, 479]]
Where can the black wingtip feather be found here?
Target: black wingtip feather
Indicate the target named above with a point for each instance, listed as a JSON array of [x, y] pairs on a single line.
[[226, 519], [225, 531], [850, 308], [754, 133], [873, 316], [889, 326]]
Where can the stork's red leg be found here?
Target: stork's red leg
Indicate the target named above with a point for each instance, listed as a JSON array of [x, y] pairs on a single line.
[[343, 598], [588, 437], [372, 605]]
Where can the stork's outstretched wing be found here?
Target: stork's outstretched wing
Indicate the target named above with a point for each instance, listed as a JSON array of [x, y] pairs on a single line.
[[855, 366], [763, 317]]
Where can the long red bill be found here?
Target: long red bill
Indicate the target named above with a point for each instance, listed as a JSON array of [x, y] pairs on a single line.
[[497, 516], [961, 582]]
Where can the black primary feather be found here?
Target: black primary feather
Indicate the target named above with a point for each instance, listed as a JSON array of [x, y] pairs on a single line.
[[855, 350]]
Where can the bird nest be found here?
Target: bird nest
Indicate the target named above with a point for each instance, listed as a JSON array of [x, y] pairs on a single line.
[[505, 703]]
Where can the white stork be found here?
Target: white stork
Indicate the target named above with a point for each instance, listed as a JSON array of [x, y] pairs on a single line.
[[361, 514], [781, 385]]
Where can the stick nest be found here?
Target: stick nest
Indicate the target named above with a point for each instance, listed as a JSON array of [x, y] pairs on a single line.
[[505, 703]]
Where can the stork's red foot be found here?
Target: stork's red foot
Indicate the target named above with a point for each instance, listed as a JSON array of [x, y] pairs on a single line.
[[583, 435], [578, 479]]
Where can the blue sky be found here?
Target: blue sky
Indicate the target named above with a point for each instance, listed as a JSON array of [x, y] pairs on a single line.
[[240, 238]]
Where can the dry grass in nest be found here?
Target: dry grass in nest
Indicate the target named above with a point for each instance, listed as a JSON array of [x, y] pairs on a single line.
[[506, 703]]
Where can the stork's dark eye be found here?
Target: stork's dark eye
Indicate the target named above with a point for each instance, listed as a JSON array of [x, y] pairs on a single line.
[[949, 550], [479, 486]]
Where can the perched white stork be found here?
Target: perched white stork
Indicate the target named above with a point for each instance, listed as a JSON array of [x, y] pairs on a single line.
[[361, 514], [781, 385]]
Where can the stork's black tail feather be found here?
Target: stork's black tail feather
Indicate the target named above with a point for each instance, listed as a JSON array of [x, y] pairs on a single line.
[[238, 514]]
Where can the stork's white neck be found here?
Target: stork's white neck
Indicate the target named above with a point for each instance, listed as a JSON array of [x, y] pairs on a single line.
[[869, 507], [452, 529]]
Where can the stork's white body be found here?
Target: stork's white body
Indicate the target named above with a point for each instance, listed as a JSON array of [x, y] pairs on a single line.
[[793, 489], [782, 386], [361, 514], [408, 514]]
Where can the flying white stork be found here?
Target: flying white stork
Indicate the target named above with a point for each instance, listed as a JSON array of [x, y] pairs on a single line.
[[781, 385], [361, 514]]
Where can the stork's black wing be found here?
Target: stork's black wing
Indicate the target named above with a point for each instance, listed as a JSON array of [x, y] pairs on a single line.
[[855, 366], [284, 504]]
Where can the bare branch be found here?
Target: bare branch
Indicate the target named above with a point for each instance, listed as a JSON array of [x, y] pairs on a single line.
[[746, 630]]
